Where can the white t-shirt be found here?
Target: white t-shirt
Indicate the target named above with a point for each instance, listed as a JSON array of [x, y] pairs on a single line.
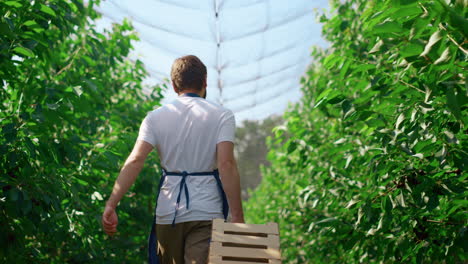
[[185, 133]]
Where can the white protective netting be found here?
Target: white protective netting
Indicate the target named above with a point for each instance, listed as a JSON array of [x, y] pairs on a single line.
[[255, 50]]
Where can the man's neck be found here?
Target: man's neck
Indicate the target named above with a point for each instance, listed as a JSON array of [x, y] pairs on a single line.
[[190, 92]]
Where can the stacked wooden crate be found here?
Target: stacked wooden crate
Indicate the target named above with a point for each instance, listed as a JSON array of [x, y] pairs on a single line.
[[234, 243]]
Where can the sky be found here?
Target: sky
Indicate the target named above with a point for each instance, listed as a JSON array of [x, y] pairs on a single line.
[[255, 50]]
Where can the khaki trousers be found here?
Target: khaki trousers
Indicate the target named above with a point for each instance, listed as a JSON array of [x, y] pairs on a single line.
[[185, 243]]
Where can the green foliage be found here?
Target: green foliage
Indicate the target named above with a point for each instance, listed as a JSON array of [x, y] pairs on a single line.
[[375, 170], [71, 107]]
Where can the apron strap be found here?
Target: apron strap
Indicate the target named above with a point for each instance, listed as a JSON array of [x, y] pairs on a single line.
[[223, 194], [152, 241]]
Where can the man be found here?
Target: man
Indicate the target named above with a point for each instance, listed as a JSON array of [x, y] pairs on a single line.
[[193, 137]]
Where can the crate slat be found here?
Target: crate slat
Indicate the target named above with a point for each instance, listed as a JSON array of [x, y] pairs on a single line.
[[270, 241], [269, 253], [270, 228], [219, 260]]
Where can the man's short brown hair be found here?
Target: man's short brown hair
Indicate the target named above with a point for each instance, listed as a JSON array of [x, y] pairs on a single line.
[[188, 72]]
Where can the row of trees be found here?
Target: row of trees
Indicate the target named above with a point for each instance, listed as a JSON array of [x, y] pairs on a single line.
[[375, 167], [251, 150], [71, 107]]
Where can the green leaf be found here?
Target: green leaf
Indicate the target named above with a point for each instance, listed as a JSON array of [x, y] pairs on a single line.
[[365, 68], [444, 57], [24, 51], [459, 22], [13, 3], [401, 200], [82, 182], [5, 29], [410, 50], [375, 122], [53, 106], [30, 23], [463, 203], [323, 94], [455, 208], [399, 120], [330, 61], [326, 222], [377, 46], [422, 145], [351, 203], [78, 90], [388, 27], [344, 68], [452, 103], [292, 146], [435, 37], [335, 98], [407, 11], [48, 10]]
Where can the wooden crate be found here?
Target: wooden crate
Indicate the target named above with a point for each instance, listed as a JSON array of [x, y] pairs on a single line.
[[233, 243]]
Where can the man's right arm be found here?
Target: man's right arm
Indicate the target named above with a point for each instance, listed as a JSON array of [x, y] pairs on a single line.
[[227, 166]]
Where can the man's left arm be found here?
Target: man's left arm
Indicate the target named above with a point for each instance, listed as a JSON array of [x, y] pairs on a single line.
[[127, 177]]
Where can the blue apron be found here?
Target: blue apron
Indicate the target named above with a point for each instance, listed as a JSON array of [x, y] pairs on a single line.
[[152, 241]]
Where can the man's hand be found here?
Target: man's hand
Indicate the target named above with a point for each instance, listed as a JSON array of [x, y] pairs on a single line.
[[127, 176], [239, 219], [110, 220]]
